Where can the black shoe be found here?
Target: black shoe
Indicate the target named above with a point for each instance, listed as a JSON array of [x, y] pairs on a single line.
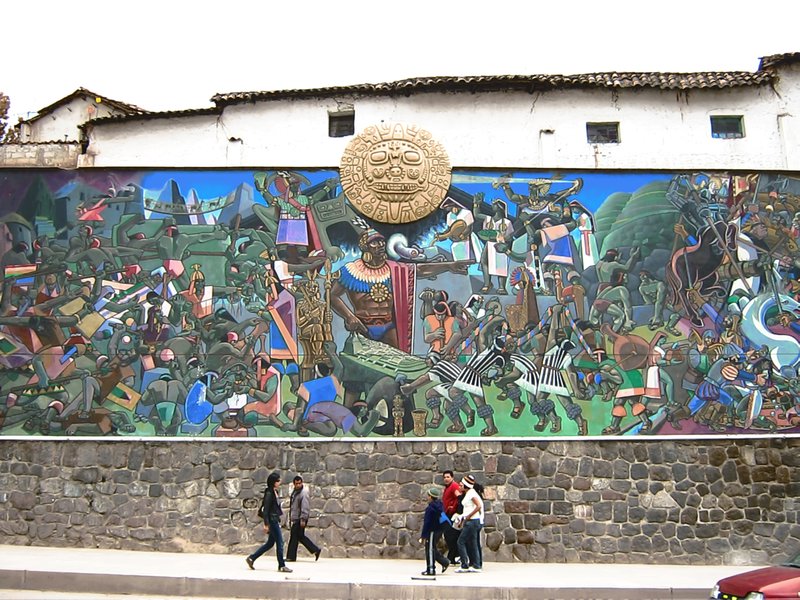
[[250, 562], [444, 567], [316, 554], [429, 574], [291, 560]]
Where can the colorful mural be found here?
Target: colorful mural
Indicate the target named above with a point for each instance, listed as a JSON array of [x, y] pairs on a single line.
[[530, 304]]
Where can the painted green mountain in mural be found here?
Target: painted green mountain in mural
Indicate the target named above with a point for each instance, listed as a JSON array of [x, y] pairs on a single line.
[[644, 218], [607, 214]]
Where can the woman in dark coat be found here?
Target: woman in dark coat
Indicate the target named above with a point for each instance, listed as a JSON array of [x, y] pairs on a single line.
[[271, 512]]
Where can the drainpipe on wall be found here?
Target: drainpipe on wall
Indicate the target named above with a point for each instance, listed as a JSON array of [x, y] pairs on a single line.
[[782, 134]]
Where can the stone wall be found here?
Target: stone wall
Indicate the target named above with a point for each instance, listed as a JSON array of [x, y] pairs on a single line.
[[665, 501], [51, 154]]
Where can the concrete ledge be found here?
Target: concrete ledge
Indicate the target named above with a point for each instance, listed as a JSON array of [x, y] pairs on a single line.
[[93, 571], [445, 588]]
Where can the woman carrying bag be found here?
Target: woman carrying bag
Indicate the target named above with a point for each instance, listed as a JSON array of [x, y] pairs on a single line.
[[471, 520], [271, 512]]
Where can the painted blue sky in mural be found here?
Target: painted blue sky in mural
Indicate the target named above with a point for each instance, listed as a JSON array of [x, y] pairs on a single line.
[[211, 184], [597, 186]]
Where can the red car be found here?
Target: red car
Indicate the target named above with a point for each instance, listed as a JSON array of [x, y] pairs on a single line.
[[769, 583]]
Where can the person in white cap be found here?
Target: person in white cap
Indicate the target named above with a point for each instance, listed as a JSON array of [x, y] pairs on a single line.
[[472, 522]]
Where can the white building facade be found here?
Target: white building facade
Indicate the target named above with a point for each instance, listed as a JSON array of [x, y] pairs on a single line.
[[664, 121]]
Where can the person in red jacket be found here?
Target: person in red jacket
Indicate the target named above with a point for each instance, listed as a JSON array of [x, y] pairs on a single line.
[[450, 499]]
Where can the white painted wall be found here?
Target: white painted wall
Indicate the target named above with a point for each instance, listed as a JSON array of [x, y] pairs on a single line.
[[193, 141], [788, 115], [658, 129], [62, 122]]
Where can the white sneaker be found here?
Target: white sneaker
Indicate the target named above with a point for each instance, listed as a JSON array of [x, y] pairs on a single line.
[[474, 570], [460, 570]]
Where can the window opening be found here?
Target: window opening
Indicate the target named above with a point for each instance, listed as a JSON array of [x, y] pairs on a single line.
[[341, 124], [727, 127], [602, 133]]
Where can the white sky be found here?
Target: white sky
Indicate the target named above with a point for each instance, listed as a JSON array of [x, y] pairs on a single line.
[[176, 54]]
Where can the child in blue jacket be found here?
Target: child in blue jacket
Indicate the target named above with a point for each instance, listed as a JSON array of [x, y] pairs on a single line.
[[432, 528]]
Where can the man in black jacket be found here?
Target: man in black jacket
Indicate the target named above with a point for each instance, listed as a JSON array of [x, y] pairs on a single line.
[[298, 519]]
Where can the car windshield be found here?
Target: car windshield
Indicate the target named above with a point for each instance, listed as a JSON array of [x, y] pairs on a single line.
[[794, 562]]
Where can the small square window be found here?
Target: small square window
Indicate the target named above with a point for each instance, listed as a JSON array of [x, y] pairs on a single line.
[[341, 124], [728, 127], [602, 133]]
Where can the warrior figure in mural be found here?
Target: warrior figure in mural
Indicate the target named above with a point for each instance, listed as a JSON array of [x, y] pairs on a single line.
[[496, 230], [313, 324], [609, 264], [548, 217], [614, 301], [556, 378], [296, 228], [458, 383], [173, 248], [380, 294], [460, 221]]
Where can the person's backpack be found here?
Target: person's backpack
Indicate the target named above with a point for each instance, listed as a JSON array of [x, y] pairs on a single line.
[[261, 506]]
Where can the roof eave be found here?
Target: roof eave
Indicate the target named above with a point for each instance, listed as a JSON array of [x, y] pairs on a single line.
[[773, 61], [149, 116], [502, 83], [123, 106]]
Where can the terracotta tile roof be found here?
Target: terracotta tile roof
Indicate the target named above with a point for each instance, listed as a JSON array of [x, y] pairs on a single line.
[[128, 109], [166, 114], [773, 60], [529, 83]]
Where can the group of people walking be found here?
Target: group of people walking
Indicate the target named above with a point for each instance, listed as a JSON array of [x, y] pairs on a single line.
[[454, 512], [271, 511], [457, 514]]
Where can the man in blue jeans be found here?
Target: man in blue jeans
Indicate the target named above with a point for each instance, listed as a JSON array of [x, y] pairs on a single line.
[[271, 512], [469, 549]]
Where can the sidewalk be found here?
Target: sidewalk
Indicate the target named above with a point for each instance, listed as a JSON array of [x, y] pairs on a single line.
[[91, 571]]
